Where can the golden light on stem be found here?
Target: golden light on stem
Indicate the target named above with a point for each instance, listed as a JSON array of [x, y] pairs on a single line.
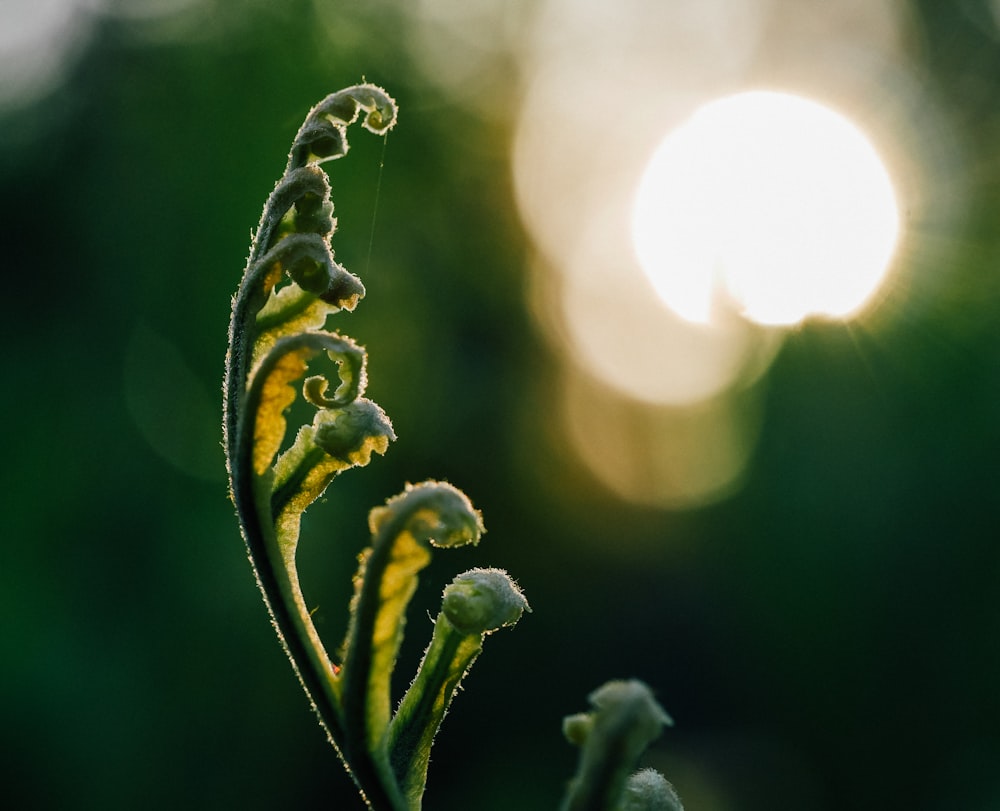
[[769, 204]]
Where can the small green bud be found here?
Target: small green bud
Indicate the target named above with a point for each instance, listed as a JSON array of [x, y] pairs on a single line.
[[344, 107], [577, 728], [648, 790], [631, 704], [343, 432], [382, 110], [381, 119], [482, 600]]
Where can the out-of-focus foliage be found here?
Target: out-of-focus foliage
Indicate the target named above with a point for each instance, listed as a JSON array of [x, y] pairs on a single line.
[[828, 631]]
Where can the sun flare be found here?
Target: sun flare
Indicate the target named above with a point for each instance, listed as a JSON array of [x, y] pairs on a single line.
[[767, 203]]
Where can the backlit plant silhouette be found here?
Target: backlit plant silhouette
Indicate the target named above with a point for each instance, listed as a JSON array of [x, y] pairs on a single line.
[[290, 286]]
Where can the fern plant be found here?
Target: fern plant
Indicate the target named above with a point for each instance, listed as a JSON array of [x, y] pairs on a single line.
[[291, 285]]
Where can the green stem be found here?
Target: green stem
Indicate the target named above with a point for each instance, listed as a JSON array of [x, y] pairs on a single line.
[[273, 583], [388, 581], [446, 661]]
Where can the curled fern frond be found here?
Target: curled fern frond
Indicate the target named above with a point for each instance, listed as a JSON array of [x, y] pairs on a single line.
[[473, 605], [625, 719], [291, 285]]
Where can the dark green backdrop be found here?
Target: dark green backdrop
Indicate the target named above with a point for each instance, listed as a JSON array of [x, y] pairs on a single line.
[[827, 638]]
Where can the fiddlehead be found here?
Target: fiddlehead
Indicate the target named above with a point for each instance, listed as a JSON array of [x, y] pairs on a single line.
[[290, 286], [625, 719]]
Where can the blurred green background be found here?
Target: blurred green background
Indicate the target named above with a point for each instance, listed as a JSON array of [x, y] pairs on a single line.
[[826, 635]]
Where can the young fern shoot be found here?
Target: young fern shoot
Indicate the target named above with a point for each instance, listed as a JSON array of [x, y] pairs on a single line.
[[291, 285]]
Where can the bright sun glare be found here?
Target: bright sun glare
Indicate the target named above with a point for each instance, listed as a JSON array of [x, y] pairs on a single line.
[[768, 203]]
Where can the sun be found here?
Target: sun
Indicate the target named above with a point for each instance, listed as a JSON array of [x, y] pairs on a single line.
[[769, 204]]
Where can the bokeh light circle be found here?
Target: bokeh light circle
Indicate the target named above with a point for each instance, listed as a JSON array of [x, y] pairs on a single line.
[[767, 203]]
